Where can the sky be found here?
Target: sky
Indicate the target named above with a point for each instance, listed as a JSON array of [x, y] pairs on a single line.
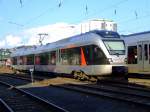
[[22, 20]]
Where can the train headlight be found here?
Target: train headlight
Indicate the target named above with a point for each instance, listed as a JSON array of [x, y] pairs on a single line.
[[110, 60], [125, 60]]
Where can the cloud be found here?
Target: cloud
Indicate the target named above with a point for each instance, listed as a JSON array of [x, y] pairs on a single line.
[[55, 32], [30, 36], [10, 41], [13, 40], [2, 43]]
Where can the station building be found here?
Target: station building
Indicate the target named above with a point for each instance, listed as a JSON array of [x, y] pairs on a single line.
[[98, 24]]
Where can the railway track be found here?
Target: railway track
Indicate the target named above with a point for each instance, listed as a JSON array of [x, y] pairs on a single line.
[[105, 83], [121, 94], [18, 100], [25, 77], [116, 84], [130, 86], [4, 107], [115, 91]]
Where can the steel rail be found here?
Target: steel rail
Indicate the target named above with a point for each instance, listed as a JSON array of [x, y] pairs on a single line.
[[6, 107], [49, 105], [102, 93]]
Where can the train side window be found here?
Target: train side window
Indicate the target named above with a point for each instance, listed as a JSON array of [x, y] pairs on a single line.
[[24, 60], [70, 56], [14, 60], [98, 56], [64, 56], [94, 55], [44, 57], [140, 52], [52, 60], [21, 60], [74, 56], [30, 59], [146, 52], [149, 53], [132, 55], [37, 59]]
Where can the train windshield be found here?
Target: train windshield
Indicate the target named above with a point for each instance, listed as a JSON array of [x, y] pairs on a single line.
[[115, 47]]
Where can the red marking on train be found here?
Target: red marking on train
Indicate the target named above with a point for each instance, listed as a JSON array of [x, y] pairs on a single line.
[[83, 61], [37, 60]]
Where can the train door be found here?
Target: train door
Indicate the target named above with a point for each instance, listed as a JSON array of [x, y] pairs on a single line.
[[58, 56], [143, 56]]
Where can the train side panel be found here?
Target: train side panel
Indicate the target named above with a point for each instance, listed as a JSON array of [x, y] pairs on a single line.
[[138, 57]]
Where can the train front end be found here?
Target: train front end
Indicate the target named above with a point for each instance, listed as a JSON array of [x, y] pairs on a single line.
[[116, 56], [114, 49]]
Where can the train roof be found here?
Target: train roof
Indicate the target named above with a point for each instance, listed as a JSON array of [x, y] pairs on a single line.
[[136, 34], [136, 37], [77, 40], [106, 34]]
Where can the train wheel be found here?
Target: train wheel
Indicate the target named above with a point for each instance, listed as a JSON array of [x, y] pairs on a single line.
[[80, 75], [83, 76]]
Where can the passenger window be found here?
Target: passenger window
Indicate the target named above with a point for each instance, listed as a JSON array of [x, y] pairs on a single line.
[[146, 52], [37, 59], [64, 57], [94, 55], [70, 56], [52, 60], [30, 59], [140, 52], [132, 55], [24, 60], [14, 60], [21, 60], [44, 57], [149, 53], [74, 56], [98, 56]]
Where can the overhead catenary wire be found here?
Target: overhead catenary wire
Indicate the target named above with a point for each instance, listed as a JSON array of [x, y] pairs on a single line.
[[133, 19], [102, 10], [86, 9], [38, 16], [60, 2], [60, 5], [50, 9], [11, 22], [138, 28]]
